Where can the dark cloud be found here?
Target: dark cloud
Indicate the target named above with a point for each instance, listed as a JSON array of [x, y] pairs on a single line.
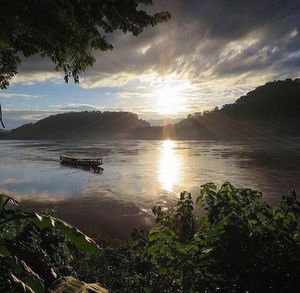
[[204, 40]]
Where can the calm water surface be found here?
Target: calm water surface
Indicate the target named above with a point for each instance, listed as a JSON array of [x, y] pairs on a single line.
[[138, 175]]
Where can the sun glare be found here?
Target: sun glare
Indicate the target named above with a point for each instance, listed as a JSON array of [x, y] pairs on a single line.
[[169, 99], [169, 166]]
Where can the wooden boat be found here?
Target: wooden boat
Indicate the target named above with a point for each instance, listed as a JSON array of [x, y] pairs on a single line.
[[93, 169], [87, 162]]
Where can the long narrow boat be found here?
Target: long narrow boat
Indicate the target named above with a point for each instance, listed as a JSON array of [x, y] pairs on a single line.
[[88, 162]]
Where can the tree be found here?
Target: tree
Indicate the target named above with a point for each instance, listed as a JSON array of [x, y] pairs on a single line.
[[66, 31]]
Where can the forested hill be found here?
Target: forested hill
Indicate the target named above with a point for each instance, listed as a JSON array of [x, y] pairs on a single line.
[[81, 125], [271, 109], [277, 101]]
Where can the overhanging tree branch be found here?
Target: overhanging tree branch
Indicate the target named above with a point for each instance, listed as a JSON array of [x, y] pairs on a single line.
[[66, 31]]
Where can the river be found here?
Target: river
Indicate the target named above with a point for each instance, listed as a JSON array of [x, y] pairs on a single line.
[[139, 174]]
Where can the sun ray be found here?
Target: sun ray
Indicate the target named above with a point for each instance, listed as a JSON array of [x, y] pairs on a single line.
[[170, 99]]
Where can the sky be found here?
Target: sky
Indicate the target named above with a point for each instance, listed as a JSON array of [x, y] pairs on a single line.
[[210, 53]]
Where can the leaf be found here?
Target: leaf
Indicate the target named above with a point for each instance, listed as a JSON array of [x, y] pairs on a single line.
[[206, 190], [192, 248], [39, 217], [3, 248], [297, 237], [169, 232], [200, 200], [78, 238], [154, 234], [18, 218], [180, 248], [72, 285], [20, 275], [210, 185], [31, 278], [151, 250], [162, 271], [202, 221], [5, 199], [20, 286]]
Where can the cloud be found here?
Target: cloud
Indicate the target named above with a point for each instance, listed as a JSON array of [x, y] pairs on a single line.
[[18, 95], [75, 107], [222, 47], [204, 39]]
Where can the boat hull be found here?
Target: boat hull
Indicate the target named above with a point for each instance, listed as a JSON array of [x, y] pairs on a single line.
[[88, 162]]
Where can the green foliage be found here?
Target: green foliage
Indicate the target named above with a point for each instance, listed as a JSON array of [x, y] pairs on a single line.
[[239, 240], [17, 276], [237, 243], [12, 222], [68, 32], [9, 62], [36, 249], [181, 219]]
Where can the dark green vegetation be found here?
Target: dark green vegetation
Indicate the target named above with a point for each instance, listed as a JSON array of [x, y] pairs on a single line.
[[67, 32], [269, 110], [238, 244], [39, 240], [81, 125]]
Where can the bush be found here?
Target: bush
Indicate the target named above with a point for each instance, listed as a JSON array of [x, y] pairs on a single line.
[[241, 244], [36, 252], [238, 244]]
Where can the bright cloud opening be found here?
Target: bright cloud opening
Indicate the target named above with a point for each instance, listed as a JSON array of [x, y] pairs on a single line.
[[170, 97]]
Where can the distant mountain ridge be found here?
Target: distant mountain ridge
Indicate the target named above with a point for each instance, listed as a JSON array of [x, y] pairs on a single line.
[[271, 109], [164, 121], [81, 125]]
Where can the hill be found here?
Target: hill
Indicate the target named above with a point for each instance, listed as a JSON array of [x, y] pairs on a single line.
[[80, 125], [164, 122], [4, 134], [270, 110]]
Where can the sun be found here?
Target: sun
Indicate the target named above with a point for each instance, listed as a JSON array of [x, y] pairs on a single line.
[[169, 100]]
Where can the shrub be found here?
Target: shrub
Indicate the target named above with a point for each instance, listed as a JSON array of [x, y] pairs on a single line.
[[237, 244]]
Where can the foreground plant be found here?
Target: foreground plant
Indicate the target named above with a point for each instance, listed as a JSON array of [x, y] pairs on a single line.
[[240, 245], [73, 32], [237, 244], [35, 251]]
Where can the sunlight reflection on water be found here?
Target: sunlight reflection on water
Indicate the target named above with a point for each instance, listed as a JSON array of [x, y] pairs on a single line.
[[138, 175], [169, 165]]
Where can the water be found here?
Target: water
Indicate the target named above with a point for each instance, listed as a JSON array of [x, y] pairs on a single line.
[[138, 175]]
